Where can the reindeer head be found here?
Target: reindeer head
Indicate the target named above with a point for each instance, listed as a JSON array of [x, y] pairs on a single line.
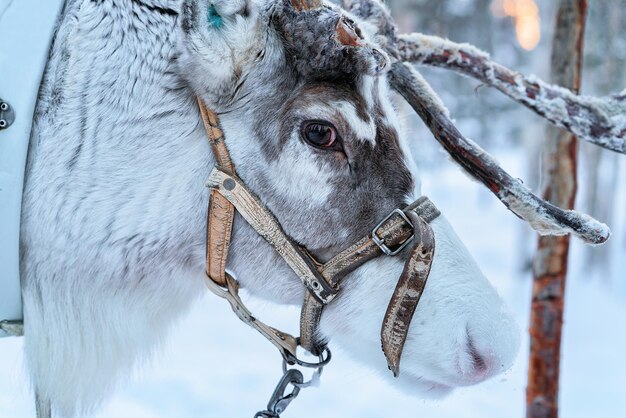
[[305, 106]]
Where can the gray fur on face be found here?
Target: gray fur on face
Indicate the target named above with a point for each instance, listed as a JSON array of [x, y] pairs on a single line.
[[367, 179], [300, 73]]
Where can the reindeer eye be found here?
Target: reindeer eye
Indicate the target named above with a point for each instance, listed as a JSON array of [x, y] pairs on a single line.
[[320, 134]]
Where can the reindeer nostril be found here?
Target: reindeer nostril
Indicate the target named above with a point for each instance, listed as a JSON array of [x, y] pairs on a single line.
[[478, 361], [477, 365]]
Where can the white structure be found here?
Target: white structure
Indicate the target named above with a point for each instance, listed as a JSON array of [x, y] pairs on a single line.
[[26, 28]]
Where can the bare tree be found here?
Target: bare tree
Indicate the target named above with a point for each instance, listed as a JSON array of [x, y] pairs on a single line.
[[550, 266]]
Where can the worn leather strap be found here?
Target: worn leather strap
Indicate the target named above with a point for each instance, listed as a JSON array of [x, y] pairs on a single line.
[[286, 343], [266, 225], [216, 137], [407, 294], [220, 218], [394, 231], [221, 213]]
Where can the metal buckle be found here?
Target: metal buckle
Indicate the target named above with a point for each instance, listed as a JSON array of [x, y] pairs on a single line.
[[381, 242]]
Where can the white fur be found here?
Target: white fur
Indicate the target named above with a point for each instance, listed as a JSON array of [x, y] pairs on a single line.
[[300, 188], [367, 87], [365, 131], [113, 240]]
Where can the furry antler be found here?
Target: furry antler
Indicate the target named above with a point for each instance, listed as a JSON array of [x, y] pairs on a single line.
[[601, 121], [323, 41], [542, 216]]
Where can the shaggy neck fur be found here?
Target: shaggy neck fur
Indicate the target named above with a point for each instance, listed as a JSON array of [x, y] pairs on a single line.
[[115, 203]]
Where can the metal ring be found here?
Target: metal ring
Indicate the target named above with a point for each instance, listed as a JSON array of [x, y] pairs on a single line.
[[324, 358], [315, 376], [265, 414]]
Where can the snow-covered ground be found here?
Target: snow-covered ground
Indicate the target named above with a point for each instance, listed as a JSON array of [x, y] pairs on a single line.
[[220, 368]]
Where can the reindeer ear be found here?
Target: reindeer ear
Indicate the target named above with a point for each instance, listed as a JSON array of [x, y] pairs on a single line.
[[213, 18]]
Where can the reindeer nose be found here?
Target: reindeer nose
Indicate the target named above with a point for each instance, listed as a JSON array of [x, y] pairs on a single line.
[[481, 357], [474, 366]]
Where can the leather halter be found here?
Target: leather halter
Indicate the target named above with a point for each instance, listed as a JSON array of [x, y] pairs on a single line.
[[390, 236]]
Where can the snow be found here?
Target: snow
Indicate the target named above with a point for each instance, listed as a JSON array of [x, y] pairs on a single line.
[[224, 369], [591, 112], [424, 46], [520, 201]]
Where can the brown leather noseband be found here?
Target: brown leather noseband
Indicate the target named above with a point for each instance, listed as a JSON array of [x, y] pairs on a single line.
[[392, 235]]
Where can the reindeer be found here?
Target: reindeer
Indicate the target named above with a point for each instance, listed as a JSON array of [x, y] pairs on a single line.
[[114, 206]]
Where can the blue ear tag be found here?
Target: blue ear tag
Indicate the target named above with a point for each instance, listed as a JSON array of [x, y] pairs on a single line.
[[213, 18]]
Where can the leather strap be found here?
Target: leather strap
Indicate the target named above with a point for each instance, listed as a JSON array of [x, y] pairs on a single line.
[[216, 137], [220, 218], [286, 343], [221, 213], [266, 225], [407, 293], [393, 232], [228, 193]]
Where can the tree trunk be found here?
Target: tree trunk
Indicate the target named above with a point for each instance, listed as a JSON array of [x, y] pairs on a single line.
[[550, 264]]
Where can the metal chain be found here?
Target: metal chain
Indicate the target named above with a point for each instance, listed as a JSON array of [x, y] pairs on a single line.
[[282, 397]]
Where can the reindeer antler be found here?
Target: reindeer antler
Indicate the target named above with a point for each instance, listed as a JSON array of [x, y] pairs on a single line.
[[542, 216], [324, 42], [600, 121]]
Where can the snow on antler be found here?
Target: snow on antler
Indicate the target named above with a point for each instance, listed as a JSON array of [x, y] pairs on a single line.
[[544, 217], [593, 117], [601, 121]]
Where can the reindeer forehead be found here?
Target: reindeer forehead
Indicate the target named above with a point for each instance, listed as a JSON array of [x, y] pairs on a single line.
[[325, 42]]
